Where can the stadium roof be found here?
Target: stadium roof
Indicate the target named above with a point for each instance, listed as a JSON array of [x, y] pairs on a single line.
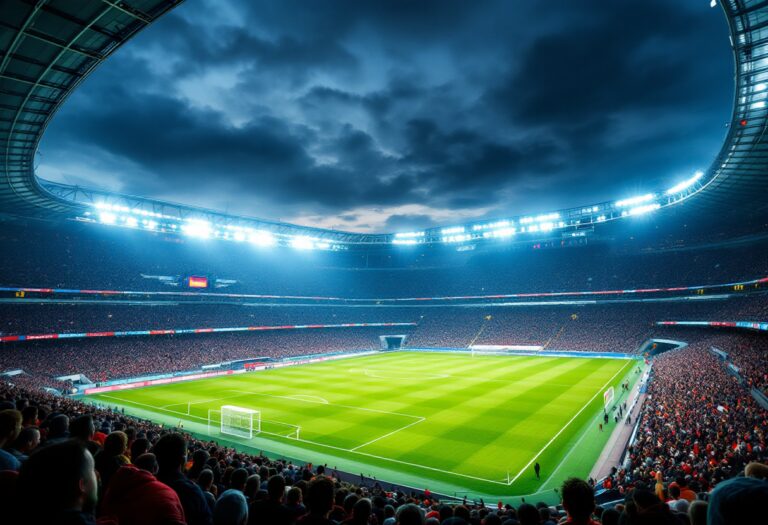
[[48, 47]]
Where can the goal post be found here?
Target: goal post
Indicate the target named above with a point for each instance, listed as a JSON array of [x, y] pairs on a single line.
[[245, 423], [236, 421], [608, 397]]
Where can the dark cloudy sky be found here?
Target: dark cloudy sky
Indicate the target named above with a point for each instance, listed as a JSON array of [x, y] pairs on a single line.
[[385, 115]]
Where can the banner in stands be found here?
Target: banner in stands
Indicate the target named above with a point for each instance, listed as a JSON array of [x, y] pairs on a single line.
[[80, 335], [748, 325]]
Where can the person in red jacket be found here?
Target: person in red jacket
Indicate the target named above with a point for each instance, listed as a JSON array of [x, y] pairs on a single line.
[[136, 497]]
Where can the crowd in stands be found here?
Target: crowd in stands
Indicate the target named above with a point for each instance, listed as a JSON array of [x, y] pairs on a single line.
[[124, 256], [42, 318], [621, 327], [750, 356], [747, 350], [699, 426], [110, 358], [64, 462]]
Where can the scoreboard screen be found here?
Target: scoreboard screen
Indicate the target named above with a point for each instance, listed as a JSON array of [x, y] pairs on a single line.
[[198, 282]]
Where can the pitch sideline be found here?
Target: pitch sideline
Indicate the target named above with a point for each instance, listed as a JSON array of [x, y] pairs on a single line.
[[540, 452]]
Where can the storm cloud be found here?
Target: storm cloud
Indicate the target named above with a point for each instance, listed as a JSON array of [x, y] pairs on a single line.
[[389, 115]]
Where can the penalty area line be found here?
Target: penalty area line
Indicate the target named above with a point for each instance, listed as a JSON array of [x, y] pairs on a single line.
[[388, 434], [324, 445]]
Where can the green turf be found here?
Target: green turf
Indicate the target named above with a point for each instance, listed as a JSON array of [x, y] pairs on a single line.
[[454, 423]]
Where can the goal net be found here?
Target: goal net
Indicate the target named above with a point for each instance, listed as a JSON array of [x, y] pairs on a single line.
[[235, 421]]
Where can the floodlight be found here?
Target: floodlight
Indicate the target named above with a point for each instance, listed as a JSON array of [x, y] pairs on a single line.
[[197, 228], [261, 238], [107, 218], [639, 210], [635, 200], [548, 217], [302, 243], [409, 235], [677, 188]]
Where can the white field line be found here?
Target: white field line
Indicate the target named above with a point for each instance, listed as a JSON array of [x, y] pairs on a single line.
[[376, 374], [396, 375], [389, 433], [248, 392], [196, 402], [542, 488], [545, 447], [304, 397], [398, 461], [425, 467]]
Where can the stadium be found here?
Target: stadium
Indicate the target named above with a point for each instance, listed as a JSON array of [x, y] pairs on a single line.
[[214, 367]]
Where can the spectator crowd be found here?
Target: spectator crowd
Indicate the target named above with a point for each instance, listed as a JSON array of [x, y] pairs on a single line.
[[62, 461]]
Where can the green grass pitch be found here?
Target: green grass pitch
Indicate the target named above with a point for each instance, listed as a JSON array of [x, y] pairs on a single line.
[[451, 422]]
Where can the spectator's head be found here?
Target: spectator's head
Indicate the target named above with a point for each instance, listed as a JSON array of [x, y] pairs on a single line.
[[319, 496], [674, 491], [276, 488], [29, 416], [492, 519], [527, 514], [27, 440], [252, 486], [171, 452], [644, 499], [200, 458], [231, 509], [147, 462], [116, 444], [462, 512], [733, 501], [445, 512], [578, 499], [139, 446], [238, 479], [409, 514], [58, 478], [362, 510], [82, 427], [348, 502], [10, 426], [205, 479], [697, 512], [756, 470], [294, 496], [610, 517], [59, 426]]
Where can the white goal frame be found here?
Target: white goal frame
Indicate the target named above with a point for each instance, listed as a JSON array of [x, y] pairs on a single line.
[[608, 397], [236, 421], [217, 422]]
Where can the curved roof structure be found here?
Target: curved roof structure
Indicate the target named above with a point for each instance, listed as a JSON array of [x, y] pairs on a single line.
[[47, 47]]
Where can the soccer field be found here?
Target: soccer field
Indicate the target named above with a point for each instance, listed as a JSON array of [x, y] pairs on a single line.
[[453, 423]]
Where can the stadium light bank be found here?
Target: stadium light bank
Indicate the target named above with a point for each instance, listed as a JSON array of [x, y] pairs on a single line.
[[263, 234]]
